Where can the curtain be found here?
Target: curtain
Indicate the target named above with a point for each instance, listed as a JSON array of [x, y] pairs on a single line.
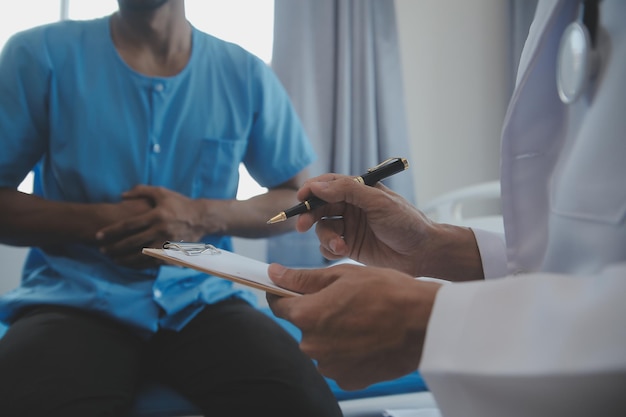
[[339, 60]]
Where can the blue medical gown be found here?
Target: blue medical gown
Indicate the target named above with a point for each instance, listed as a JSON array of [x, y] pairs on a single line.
[[95, 128]]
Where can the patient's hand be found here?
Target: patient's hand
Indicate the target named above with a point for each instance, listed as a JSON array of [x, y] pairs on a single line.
[[114, 213], [171, 216]]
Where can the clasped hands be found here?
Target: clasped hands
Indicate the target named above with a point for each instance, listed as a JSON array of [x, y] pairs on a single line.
[[147, 216]]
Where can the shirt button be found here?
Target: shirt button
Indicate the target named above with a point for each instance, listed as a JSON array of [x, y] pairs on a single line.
[[159, 87], [156, 148]]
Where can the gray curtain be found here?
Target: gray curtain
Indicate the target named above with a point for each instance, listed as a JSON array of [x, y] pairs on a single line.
[[339, 60]]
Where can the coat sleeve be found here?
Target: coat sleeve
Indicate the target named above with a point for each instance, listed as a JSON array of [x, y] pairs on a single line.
[[492, 248], [532, 345]]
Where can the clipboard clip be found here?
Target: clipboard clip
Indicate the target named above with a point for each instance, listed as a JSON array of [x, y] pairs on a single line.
[[192, 248]]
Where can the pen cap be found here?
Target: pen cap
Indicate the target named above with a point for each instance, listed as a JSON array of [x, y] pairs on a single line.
[[383, 170]]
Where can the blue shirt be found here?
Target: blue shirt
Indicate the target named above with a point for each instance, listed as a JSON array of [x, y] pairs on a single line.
[[97, 127]]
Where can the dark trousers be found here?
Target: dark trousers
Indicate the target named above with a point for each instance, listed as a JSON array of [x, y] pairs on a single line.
[[230, 360]]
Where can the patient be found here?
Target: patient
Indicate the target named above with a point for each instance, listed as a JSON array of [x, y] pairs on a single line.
[[139, 136]]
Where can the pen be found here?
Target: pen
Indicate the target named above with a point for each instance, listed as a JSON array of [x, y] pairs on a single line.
[[383, 170]]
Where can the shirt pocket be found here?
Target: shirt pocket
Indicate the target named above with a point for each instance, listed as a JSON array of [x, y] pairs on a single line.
[[217, 172]]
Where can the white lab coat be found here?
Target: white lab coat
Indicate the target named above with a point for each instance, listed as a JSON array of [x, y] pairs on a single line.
[[550, 338]]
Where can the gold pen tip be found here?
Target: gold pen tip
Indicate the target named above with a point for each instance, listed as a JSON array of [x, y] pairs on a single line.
[[281, 217]]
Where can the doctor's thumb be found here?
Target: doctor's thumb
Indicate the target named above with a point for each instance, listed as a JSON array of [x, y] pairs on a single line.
[[304, 281], [278, 274]]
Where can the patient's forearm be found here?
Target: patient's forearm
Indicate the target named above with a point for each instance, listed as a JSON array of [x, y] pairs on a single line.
[[28, 220], [248, 218]]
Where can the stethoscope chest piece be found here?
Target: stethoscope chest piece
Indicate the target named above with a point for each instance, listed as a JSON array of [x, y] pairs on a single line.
[[575, 65]]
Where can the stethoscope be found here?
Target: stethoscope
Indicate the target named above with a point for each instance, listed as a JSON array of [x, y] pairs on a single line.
[[578, 59]]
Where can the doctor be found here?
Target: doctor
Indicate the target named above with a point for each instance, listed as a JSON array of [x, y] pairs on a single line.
[[541, 329]]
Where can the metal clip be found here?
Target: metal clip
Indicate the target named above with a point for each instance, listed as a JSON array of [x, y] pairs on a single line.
[[192, 249], [387, 162]]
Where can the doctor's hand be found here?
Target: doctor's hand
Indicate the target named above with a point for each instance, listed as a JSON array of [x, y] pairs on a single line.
[[377, 227], [361, 324], [172, 216]]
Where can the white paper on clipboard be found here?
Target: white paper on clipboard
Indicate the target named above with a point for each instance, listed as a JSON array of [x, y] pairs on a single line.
[[224, 264]]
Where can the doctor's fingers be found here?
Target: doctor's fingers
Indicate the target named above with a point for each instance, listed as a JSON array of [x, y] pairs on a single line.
[[304, 281], [347, 190], [297, 310], [327, 211], [330, 233], [305, 191], [303, 310]]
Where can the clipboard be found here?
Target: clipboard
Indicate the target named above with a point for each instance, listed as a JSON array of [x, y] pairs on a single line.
[[219, 262]]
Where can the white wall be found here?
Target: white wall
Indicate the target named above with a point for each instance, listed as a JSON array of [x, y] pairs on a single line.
[[455, 61]]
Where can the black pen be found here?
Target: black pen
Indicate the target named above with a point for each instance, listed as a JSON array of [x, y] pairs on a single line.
[[383, 170]]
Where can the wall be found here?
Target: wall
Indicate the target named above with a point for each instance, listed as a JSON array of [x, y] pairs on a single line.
[[457, 78]]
